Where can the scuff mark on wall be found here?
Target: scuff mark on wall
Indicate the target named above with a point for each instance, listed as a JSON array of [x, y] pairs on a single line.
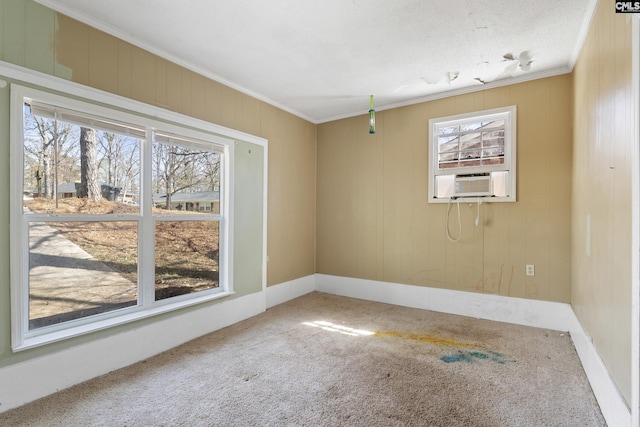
[[496, 282]]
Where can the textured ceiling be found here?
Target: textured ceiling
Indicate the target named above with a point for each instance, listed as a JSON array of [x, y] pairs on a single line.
[[322, 59]]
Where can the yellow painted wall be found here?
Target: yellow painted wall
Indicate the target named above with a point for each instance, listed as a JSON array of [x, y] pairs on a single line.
[[374, 221], [601, 289]]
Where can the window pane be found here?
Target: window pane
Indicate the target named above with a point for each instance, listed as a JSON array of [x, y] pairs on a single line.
[[79, 269], [448, 157], [66, 161], [470, 157], [473, 153], [448, 144], [493, 161], [452, 130], [185, 180], [449, 165], [493, 138], [469, 127], [471, 140], [494, 124], [493, 152], [186, 257], [448, 152]]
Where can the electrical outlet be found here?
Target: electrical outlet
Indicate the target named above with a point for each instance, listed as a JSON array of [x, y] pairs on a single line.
[[531, 270]]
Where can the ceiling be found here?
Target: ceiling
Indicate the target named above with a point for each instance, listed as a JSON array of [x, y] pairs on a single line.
[[322, 59]]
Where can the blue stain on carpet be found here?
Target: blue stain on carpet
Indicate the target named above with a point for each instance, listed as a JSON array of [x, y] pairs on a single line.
[[472, 356]]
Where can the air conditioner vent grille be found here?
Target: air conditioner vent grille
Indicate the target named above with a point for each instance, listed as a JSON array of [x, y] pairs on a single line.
[[472, 186]]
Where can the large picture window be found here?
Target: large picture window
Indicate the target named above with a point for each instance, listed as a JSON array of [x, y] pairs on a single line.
[[116, 216]]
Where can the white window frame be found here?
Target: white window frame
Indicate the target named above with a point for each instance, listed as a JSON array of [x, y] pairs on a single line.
[[21, 337], [509, 166]]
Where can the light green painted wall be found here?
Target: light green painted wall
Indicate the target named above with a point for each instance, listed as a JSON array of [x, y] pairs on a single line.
[[5, 312], [27, 36], [248, 207]]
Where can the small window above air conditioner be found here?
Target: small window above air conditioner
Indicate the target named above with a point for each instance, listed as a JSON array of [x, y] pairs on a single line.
[[473, 155]]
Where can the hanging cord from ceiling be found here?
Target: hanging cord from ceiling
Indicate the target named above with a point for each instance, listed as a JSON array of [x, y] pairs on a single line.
[[459, 222], [372, 116]]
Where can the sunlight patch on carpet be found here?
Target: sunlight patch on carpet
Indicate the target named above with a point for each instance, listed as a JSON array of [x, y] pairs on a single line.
[[332, 327]]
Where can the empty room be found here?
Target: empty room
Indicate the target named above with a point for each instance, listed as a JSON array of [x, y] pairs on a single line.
[[411, 212]]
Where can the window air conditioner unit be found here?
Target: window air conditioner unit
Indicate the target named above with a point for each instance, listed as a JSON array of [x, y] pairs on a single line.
[[472, 185], [494, 184]]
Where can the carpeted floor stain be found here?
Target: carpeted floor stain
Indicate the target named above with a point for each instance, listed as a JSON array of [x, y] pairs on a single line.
[[461, 356], [473, 356], [427, 339]]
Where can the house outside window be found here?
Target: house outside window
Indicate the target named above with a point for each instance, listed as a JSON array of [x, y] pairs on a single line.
[[108, 225]]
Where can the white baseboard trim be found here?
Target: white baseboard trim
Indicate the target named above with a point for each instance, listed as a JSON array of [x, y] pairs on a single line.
[[539, 314], [612, 404], [283, 292], [36, 378]]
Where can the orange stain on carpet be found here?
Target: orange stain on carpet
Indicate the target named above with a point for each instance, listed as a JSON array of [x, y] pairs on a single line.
[[427, 339]]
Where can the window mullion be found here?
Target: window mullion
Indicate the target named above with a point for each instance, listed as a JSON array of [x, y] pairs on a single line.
[[146, 235]]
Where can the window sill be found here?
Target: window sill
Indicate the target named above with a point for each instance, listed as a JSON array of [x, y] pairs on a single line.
[[473, 199], [52, 334]]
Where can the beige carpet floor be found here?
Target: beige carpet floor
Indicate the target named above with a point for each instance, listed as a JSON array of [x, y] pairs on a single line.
[[324, 360]]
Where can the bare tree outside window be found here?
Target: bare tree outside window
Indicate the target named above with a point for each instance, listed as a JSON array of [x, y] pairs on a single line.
[[178, 169], [89, 186], [50, 148]]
